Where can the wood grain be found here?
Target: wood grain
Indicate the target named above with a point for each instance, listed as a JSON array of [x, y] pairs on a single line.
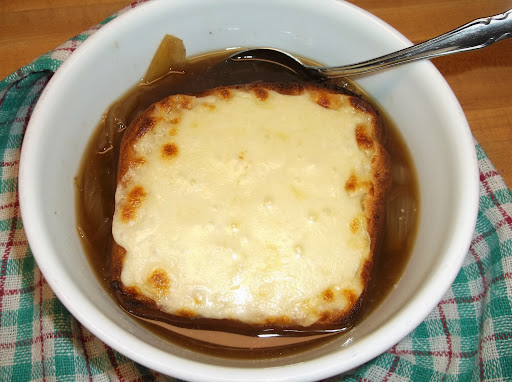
[[481, 80]]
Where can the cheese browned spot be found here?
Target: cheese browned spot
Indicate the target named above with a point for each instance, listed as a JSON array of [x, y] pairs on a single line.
[[169, 150], [364, 140], [351, 296], [328, 295], [356, 184], [327, 100], [186, 313], [159, 280], [132, 202], [158, 284], [184, 101], [355, 224], [224, 93], [261, 94], [208, 106], [283, 320], [268, 213]]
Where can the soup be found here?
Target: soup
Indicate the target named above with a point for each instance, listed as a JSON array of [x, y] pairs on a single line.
[[96, 185]]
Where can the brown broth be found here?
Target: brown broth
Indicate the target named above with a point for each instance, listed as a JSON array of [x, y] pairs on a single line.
[[96, 182]]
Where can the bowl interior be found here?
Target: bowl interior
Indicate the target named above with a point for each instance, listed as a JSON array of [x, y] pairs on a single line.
[[327, 31]]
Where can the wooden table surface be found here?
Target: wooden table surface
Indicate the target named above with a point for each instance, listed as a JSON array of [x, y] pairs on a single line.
[[481, 80]]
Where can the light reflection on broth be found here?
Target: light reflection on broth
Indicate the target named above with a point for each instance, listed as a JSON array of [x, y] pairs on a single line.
[[96, 183]]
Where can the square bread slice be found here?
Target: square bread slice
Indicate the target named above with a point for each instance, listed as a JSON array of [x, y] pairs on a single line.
[[249, 206]]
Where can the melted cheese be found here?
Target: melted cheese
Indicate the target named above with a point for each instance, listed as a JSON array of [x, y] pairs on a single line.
[[243, 210]]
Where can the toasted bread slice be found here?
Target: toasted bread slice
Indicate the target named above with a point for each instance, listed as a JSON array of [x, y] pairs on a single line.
[[250, 206]]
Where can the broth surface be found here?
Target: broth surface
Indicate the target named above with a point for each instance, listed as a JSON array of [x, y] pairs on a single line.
[[96, 184]]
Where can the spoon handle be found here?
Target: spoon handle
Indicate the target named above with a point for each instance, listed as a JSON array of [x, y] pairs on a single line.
[[476, 34]]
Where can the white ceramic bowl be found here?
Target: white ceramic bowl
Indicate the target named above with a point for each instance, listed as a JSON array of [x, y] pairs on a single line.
[[328, 31]]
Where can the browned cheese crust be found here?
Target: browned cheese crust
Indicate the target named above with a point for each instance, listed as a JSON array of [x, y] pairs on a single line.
[[369, 139]]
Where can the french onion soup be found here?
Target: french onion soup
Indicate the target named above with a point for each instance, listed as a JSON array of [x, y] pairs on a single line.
[[241, 199]]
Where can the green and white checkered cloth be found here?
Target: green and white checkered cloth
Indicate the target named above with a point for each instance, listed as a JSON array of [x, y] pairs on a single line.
[[468, 336]]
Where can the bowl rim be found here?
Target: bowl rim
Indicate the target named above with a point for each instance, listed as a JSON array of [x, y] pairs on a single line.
[[326, 365]]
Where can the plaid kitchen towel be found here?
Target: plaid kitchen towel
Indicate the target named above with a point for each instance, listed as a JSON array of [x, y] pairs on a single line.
[[468, 336]]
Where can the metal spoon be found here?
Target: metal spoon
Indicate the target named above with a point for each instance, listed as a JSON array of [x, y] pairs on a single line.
[[476, 34]]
